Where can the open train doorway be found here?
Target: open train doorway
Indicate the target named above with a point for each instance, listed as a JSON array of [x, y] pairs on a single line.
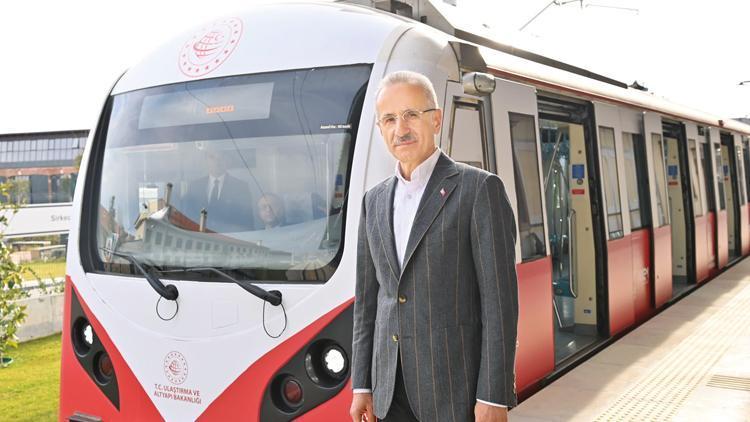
[[568, 185], [679, 190]]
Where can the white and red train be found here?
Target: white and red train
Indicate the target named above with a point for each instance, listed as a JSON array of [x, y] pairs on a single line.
[[185, 302]]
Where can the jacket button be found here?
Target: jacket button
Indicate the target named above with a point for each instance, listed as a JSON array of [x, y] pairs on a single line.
[[401, 299], [395, 337]]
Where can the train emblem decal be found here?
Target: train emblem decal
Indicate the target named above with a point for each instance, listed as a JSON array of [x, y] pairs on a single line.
[[175, 367], [210, 47]]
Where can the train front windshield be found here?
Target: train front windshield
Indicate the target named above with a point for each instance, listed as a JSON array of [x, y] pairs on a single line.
[[246, 173]]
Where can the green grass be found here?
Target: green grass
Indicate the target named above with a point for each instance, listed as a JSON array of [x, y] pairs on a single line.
[[45, 270], [30, 386]]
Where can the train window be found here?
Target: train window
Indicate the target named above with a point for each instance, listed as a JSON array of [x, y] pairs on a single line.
[[467, 137], [611, 181], [528, 188], [660, 177], [705, 151], [206, 163], [694, 181], [741, 175], [722, 171], [635, 173]]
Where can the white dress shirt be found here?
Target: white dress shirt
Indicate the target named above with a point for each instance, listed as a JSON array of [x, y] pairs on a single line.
[[211, 181], [406, 200]]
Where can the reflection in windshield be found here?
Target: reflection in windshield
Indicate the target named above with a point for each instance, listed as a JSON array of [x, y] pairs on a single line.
[[262, 194]]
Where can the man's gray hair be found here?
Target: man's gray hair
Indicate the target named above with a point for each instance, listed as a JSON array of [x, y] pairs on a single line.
[[410, 78]]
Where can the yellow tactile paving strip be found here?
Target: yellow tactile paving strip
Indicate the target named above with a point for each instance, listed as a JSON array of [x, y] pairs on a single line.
[[691, 362]]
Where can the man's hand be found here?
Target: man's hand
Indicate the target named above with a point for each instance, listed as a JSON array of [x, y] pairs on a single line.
[[486, 413], [362, 407]]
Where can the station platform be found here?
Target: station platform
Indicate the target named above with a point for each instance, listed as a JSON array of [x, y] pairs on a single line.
[[691, 362]]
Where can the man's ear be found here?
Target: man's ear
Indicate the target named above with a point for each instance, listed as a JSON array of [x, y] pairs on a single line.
[[437, 120]]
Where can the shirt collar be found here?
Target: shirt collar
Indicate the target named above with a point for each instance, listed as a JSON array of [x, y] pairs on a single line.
[[421, 174]]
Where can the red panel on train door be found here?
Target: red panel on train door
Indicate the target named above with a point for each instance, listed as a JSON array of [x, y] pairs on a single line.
[[640, 242], [535, 356], [621, 311], [703, 247], [722, 238], [662, 279]]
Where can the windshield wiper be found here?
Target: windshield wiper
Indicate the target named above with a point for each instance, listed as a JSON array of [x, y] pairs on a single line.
[[273, 296], [168, 292]]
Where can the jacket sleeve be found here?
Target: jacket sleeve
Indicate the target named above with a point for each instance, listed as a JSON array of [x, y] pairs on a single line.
[[365, 307], [493, 239]]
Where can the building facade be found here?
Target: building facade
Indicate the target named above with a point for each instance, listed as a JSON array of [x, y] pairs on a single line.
[[39, 172]]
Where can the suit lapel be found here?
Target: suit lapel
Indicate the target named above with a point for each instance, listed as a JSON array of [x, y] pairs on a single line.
[[385, 224], [436, 193]]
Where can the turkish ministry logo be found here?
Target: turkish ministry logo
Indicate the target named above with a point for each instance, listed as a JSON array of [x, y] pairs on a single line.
[[175, 367], [210, 47]]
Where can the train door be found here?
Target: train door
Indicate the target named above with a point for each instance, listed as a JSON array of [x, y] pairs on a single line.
[[729, 177], [519, 162], [570, 181], [680, 207], [703, 245], [661, 241], [628, 254], [722, 241]]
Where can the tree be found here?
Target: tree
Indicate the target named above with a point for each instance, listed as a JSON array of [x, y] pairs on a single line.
[[11, 313]]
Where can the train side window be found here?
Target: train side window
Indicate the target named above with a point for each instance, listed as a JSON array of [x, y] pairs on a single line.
[[611, 181], [528, 188], [722, 171], [467, 143], [635, 173], [694, 181], [705, 151], [660, 177], [746, 161], [741, 175]]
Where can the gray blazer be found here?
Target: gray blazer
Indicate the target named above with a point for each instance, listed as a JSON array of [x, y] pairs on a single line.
[[452, 310]]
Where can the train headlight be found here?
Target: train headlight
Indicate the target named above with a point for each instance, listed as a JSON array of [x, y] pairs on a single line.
[[334, 361], [83, 336]]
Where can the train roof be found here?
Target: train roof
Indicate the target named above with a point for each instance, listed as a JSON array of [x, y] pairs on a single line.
[[283, 35]]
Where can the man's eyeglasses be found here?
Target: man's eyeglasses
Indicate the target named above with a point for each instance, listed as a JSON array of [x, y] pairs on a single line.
[[408, 116]]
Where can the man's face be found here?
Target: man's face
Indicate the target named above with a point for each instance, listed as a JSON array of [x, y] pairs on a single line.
[[409, 142], [215, 164]]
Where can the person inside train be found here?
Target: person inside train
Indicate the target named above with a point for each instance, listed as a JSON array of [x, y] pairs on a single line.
[[226, 199], [271, 211]]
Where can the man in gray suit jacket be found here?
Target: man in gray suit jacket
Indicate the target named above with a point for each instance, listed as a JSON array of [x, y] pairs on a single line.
[[436, 299]]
